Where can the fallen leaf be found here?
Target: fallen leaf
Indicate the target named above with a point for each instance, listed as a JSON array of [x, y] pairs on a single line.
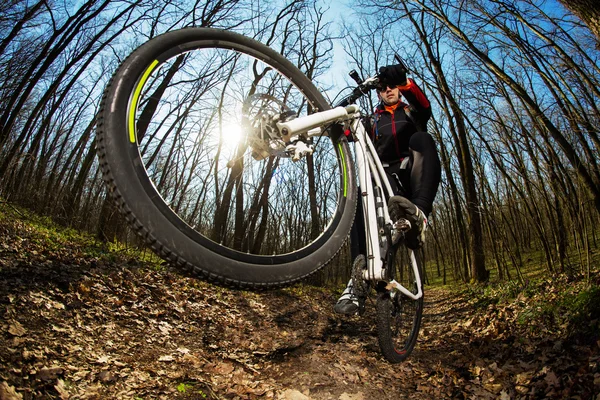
[[61, 388], [9, 393], [16, 329], [347, 396], [292, 394], [224, 368], [493, 387], [49, 374], [552, 380], [524, 378], [102, 360], [106, 376], [165, 328], [59, 329]]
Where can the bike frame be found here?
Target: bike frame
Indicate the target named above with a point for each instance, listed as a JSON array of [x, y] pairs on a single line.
[[373, 183]]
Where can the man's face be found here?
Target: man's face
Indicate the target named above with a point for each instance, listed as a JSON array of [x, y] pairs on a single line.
[[390, 96]]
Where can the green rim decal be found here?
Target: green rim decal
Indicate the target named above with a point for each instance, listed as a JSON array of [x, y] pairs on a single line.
[[344, 169], [135, 98]]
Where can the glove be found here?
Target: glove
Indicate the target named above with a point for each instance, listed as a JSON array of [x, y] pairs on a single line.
[[393, 75]]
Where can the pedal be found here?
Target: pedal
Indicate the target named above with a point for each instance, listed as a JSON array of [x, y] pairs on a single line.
[[402, 225], [361, 287], [400, 228]]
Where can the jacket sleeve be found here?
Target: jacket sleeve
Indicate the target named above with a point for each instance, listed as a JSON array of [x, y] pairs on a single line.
[[417, 101]]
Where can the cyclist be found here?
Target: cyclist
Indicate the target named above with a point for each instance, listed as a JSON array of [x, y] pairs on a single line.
[[410, 158]]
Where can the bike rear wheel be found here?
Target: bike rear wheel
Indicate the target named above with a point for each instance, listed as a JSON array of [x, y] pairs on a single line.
[[188, 149], [399, 316]]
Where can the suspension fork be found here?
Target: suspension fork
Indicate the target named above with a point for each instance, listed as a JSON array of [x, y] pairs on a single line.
[[373, 181], [376, 215]]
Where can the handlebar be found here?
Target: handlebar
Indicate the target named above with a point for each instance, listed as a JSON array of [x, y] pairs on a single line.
[[367, 85], [362, 89]]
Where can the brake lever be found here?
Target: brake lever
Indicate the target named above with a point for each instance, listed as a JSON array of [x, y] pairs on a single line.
[[401, 62], [362, 88]]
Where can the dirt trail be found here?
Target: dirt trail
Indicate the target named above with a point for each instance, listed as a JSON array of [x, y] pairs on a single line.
[[80, 327]]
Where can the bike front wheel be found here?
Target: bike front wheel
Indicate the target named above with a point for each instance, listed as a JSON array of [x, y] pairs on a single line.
[[188, 146], [399, 316]]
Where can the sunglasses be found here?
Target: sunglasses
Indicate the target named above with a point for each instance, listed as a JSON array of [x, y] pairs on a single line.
[[383, 88]]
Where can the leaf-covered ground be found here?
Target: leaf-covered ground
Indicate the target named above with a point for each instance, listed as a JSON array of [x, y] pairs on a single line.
[[81, 326]]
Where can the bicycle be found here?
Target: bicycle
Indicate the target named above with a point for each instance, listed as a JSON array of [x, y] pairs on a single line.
[[231, 164]]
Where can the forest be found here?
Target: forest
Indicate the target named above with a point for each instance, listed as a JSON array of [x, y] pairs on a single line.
[[514, 87], [511, 304]]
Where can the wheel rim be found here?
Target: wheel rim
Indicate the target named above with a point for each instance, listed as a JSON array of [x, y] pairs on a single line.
[[191, 125]]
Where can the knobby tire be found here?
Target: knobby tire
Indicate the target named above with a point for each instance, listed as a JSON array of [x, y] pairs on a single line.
[[399, 317], [138, 133]]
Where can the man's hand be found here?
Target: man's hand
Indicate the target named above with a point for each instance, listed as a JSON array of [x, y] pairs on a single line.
[[393, 75]]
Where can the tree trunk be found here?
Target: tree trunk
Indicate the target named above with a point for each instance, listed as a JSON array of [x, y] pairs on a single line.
[[588, 11]]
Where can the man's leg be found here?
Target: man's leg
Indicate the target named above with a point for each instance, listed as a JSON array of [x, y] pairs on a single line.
[[423, 178], [425, 172], [349, 303]]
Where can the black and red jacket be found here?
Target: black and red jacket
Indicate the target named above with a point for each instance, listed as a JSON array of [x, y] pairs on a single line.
[[392, 126]]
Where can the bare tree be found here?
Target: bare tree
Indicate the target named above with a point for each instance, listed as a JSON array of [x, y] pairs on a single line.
[[588, 11]]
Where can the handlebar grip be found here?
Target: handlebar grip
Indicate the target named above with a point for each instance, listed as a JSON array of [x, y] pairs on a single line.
[[354, 75]]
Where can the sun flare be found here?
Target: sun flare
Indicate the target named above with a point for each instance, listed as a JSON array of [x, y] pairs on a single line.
[[232, 134]]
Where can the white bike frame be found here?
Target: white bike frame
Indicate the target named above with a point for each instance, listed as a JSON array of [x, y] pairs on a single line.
[[371, 174]]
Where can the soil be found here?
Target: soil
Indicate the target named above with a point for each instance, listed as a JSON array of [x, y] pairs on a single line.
[[76, 326]]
